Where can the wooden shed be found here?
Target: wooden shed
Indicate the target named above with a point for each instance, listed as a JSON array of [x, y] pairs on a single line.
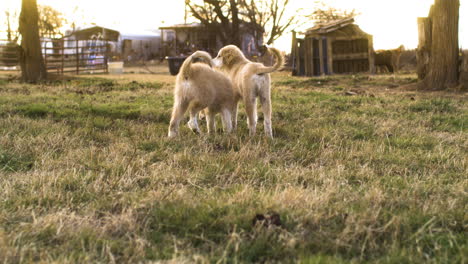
[[335, 47]]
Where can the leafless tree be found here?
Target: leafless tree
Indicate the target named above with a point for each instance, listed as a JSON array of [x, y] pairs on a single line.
[[324, 13], [269, 15], [222, 16], [225, 17], [12, 34]]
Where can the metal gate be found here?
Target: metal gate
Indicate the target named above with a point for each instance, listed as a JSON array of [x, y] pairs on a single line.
[[61, 56], [75, 56]]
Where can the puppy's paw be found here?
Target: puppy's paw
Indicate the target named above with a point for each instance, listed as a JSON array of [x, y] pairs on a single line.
[[172, 134], [194, 127]]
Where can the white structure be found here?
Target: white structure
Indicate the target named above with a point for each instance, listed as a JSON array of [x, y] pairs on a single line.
[[140, 45]]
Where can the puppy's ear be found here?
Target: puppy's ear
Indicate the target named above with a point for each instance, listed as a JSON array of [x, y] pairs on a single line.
[[206, 61], [227, 58]]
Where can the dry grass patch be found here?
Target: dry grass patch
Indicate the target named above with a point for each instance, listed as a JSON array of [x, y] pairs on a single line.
[[87, 174]]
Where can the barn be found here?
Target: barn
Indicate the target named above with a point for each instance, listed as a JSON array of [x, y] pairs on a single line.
[[332, 48]]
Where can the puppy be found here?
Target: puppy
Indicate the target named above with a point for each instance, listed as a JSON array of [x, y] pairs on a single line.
[[197, 87], [388, 60], [250, 80]]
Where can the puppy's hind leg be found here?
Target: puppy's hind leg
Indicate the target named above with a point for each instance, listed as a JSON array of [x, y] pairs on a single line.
[[251, 109], [227, 120], [177, 115], [193, 122], [266, 109], [210, 121], [234, 117]]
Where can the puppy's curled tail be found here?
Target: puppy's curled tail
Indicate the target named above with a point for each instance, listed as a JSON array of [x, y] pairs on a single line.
[[278, 65], [198, 56]]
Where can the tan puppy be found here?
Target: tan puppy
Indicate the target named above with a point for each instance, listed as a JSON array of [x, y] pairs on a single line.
[[250, 80], [388, 60], [197, 87]]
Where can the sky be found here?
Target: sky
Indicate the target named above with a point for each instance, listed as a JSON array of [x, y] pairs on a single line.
[[391, 22]]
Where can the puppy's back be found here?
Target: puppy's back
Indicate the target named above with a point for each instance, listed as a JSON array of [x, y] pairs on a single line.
[[205, 86], [212, 81]]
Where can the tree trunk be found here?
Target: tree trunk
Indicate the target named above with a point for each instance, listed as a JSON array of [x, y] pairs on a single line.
[[443, 64], [31, 61], [423, 53], [235, 27]]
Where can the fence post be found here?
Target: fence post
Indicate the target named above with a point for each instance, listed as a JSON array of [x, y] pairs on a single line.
[[62, 43], [77, 57], [371, 54], [294, 52], [322, 59], [330, 55], [106, 56], [45, 54]]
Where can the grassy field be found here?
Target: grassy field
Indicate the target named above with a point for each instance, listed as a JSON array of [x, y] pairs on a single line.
[[360, 171]]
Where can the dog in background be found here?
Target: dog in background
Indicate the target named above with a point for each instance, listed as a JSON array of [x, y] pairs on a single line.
[[198, 86], [250, 80], [388, 60]]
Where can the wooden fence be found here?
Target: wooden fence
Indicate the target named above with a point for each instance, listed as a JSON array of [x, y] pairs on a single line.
[[62, 56]]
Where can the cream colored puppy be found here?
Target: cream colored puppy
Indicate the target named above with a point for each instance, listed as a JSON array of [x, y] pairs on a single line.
[[250, 80], [198, 86]]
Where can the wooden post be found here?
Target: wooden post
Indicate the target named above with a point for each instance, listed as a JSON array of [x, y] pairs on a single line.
[[311, 56], [106, 57], [162, 53], [309, 59], [311, 50], [298, 56], [77, 57], [322, 61], [306, 56], [62, 43], [45, 54], [370, 49], [330, 55], [294, 57], [175, 41]]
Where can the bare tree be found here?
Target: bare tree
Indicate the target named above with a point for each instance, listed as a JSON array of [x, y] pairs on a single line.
[[222, 16], [225, 17], [269, 15], [324, 13], [31, 61], [443, 65], [12, 34]]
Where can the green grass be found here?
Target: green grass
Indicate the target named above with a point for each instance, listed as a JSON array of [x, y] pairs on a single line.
[[87, 174]]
